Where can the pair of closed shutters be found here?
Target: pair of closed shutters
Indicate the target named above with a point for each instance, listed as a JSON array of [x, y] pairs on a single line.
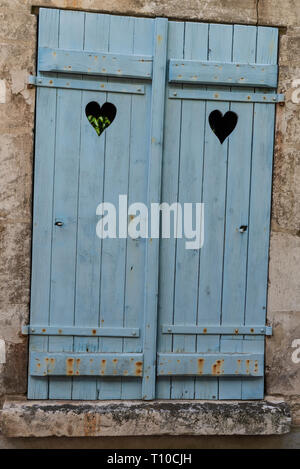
[[146, 318]]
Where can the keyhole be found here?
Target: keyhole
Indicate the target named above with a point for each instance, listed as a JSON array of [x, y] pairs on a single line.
[[243, 228]]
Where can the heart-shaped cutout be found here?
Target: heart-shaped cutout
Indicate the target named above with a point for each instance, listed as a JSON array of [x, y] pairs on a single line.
[[221, 125], [100, 117]]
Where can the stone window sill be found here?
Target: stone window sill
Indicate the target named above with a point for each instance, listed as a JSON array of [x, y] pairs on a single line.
[[21, 418]]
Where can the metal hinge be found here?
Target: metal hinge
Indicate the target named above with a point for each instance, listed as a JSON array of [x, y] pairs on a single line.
[[85, 85], [81, 331], [214, 330], [218, 95]]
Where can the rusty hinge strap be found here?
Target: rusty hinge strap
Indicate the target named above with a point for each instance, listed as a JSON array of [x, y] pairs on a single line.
[[81, 331], [219, 95], [86, 85], [212, 330]]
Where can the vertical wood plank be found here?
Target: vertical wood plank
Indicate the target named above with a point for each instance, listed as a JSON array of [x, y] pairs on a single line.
[[214, 198], [90, 195], [170, 168], [137, 192], [64, 240], [43, 199], [189, 191], [237, 211], [260, 210], [154, 194], [116, 182]]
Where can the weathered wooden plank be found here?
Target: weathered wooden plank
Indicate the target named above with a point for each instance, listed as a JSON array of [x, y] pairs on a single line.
[[43, 197], [223, 73], [65, 205], [214, 198], [170, 168], [189, 191], [88, 255], [154, 194], [117, 154], [94, 63], [254, 387], [86, 364], [237, 211], [260, 208], [137, 192], [210, 364]]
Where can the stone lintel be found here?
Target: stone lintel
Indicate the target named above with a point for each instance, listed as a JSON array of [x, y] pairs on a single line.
[[140, 418]]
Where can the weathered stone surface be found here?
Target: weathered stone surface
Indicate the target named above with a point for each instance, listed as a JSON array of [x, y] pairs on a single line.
[[13, 373], [253, 11], [14, 263], [286, 193], [286, 441], [135, 418], [16, 118], [282, 372], [286, 188], [295, 411], [17, 55], [289, 47], [212, 10], [16, 177], [230, 10], [11, 320], [13, 26], [283, 13], [284, 278]]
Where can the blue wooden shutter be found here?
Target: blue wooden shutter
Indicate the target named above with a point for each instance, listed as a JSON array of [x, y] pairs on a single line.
[[212, 302], [88, 311], [98, 307]]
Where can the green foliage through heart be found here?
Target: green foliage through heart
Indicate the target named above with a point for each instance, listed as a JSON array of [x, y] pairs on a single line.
[[100, 117], [99, 124]]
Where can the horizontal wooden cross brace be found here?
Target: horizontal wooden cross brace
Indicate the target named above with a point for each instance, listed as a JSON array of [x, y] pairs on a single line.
[[94, 63], [131, 364]]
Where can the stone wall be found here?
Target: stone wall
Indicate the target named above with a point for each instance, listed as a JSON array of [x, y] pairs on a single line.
[[18, 31]]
